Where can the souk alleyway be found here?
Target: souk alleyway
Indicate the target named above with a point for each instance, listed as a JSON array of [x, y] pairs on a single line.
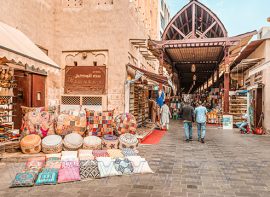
[[228, 164]]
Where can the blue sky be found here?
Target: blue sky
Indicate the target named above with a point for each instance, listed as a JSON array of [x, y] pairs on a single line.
[[238, 16]]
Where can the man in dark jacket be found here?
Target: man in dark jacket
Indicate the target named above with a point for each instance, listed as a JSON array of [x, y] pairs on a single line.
[[188, 117]]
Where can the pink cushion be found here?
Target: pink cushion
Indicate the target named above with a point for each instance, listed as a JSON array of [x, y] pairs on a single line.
[[70, 164], [69, 175]]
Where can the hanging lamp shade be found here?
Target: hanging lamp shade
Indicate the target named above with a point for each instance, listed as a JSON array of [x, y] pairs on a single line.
[[193, 68], [194, 77]]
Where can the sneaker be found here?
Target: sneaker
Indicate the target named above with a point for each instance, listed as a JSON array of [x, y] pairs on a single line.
[[202, 140], [187, 140]]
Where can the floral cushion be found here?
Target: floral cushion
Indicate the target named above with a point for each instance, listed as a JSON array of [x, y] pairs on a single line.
[[128, 152], [106, 167], [100, 153], [125, 123], [128, 140], [123, 166], [53, 164], [53, 155], [24, 179], [69, 175], [35, 163], [115, 153], [139, 164], [89, 169], [47, 177], [99, 123], [38, 122], [86, 155]]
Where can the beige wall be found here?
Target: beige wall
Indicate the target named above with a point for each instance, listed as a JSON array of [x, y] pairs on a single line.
[[65, 27]]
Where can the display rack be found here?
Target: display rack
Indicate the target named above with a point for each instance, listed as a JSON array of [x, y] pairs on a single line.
[[238, 107], [138, 103]]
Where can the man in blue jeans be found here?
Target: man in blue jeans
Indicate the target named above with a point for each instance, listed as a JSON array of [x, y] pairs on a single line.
[[187, 112], [200, 116]]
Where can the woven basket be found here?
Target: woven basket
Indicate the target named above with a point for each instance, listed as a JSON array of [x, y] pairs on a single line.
[[31, 144]]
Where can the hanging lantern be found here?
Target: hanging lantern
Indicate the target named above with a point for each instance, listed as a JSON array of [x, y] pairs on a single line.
[[193, 68], [194, 77]]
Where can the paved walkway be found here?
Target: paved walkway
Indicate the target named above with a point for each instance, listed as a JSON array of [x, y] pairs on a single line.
[[228, 164]]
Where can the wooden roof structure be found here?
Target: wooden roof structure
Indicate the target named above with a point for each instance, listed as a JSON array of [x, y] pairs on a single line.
[[196, 36]]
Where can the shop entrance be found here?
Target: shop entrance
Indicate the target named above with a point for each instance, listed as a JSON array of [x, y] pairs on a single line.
[[30, 92]]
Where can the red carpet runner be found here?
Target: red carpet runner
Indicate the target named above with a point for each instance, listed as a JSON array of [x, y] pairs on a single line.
[[154, 137]]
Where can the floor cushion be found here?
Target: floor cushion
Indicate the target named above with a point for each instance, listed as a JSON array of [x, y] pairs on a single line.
[[128, 152], [125, 123], [31, 144], [100, 153], [72, 142], [128, 140], [89, 169], [109, 142], [52, 144], [70, 164], [69, 175], [92, 143], [47, 177], [115, 153], [86, 154], [35, 163], [106, 167], [69, 155], [53, 155], [123, 166], [24, 179]]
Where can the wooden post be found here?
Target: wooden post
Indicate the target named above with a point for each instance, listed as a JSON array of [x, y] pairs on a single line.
[[226, 109], [161, 62]]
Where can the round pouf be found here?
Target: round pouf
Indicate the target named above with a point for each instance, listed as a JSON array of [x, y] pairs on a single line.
[[31, 144], [52, 144], [125, 123], [73, 142], [128, 140], [109, 142], [92, 142]]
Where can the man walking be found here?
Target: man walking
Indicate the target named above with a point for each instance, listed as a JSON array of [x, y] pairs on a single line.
[[188, 116], [200, 116]]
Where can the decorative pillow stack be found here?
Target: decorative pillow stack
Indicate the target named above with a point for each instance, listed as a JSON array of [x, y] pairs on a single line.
[[139, 164], [89, 169], [109, 142], [106, 167], [128, 140], [52, 144], [31, 144], [24, 179], [123, 166], [72, 122], [92, 143], [99, 123], [100, 153], [48, 176], [85, 154], [125, 123], [73, 142], [37, 122], [115, 153]]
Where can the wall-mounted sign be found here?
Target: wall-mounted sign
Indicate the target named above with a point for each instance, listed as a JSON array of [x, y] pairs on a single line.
[[85, 80]]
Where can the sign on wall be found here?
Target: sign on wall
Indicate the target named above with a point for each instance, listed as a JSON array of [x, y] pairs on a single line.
[[85, 80]]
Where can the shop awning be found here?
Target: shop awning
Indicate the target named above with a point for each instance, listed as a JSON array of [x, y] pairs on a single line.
[[259, 68], [246, 64], [16, 47], [150, 75]]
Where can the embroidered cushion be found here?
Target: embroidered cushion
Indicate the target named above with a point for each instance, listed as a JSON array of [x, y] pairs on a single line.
[[100, 153], [128, 140], [128, 152], [123, 166], [109, 142], [72, 122], [70, 164], [115, 153], [140, 165], [69, 175], [92, 142], [36, 163], [53, 164], [99, 123], [89, 169], [86, 155], [38, 122], [125, 123], [52, 144], [31, 144], [73, 141], [106, 167], [24, 179], [55, 155], [47, 177]]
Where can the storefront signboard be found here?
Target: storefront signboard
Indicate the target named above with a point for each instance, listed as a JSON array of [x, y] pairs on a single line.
[[87, 80]]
